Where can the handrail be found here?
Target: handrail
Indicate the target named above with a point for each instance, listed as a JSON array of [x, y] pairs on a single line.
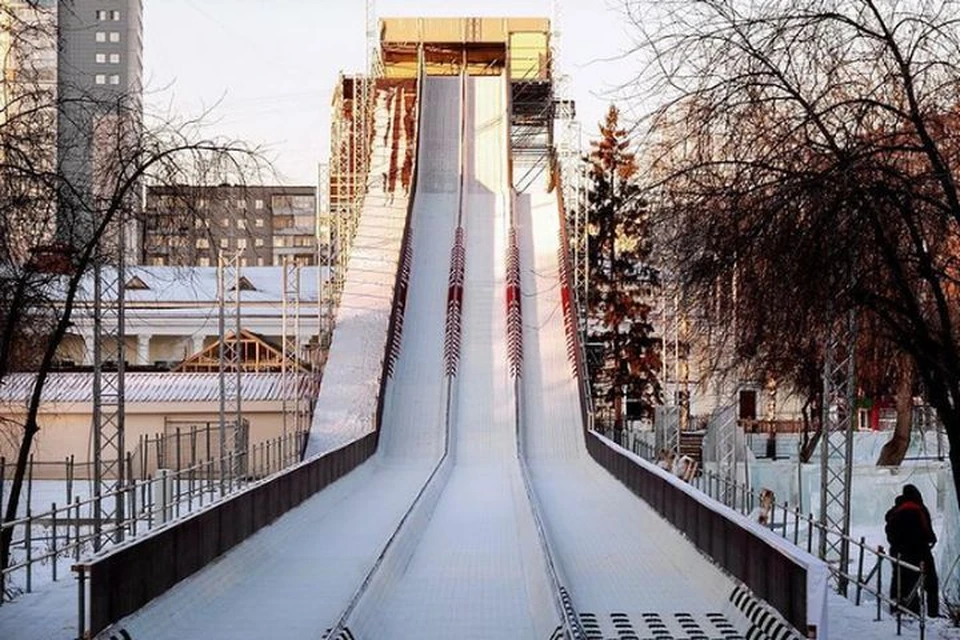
[[339, 628], [743, 499]]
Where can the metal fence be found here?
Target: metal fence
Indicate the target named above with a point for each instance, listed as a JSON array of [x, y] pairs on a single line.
[[805, 532], [45, 540], [127, 577]]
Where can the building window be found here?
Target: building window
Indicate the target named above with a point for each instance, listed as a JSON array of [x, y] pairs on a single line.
[[258, 242], [204, 262], [100, 79], [203, 243], [201, 203], [260, 262], [224, 243], [101, 36], [243, 262], [101, 15], [114, 58], [114, 36], [101, 58], [241, 223], [241, 243], [258, 222], [258, 204], [241, 204], [115, 16], [114, 79], [225, 223]]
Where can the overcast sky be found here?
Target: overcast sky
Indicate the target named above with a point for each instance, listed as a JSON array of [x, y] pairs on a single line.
[[268, 67]]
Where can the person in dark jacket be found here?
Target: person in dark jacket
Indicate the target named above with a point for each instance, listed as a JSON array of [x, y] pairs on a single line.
[[910, 534]]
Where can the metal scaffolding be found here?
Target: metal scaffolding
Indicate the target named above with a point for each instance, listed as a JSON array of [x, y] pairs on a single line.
[[836, 442], [326, 222], [351, 142]]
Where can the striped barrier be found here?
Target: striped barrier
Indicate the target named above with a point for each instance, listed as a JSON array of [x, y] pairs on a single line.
[[566, 297], [514, 316], [451, 340], [765, 624]]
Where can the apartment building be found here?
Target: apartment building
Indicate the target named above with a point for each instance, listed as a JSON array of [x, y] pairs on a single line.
[[99, 82], [261, 225]]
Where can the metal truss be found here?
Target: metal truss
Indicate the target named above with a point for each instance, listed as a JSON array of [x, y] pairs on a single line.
[[836, 442], [290, 364], [726, 447], [109, 356], [230, 368]]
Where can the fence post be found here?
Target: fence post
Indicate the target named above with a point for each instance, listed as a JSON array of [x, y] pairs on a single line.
[[76, 529], [879, 582], [53, 535], [898, 570], [133, 508], [922, 599], [860, 571], [29, 543], [81, 602]]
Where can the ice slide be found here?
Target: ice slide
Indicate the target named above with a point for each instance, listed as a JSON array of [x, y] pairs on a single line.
[[626, 569], [475, 567], [447, 531], [294, 578]]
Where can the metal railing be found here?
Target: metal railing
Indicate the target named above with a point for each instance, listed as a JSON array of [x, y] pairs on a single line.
[[117, 582], [65, 532], [804, 531]]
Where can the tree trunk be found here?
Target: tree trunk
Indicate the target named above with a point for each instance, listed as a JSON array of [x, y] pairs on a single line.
[[31, 424], [892, 453]]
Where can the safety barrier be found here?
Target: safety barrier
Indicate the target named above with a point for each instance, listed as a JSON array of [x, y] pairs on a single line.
[[794, 586], [129, 576]]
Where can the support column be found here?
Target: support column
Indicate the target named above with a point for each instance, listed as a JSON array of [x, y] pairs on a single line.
[[87, 356], [143, 348]]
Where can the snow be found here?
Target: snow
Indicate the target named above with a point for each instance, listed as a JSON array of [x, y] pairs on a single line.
[[467, 561]]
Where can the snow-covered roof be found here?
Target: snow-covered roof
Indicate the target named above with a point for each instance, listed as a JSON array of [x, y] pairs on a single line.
[[144, 387], [172, 285]]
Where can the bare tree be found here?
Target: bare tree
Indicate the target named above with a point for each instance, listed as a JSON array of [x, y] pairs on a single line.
[[809, 153], [55, 228]]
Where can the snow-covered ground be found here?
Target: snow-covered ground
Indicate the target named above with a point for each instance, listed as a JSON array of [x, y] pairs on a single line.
[[475, 569]]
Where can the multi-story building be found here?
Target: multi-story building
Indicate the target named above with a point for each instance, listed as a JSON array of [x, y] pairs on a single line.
[[262, 225], [28, 90], [100, 92]]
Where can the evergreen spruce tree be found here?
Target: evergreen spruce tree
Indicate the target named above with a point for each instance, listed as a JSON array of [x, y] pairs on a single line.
[[624, 353]]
